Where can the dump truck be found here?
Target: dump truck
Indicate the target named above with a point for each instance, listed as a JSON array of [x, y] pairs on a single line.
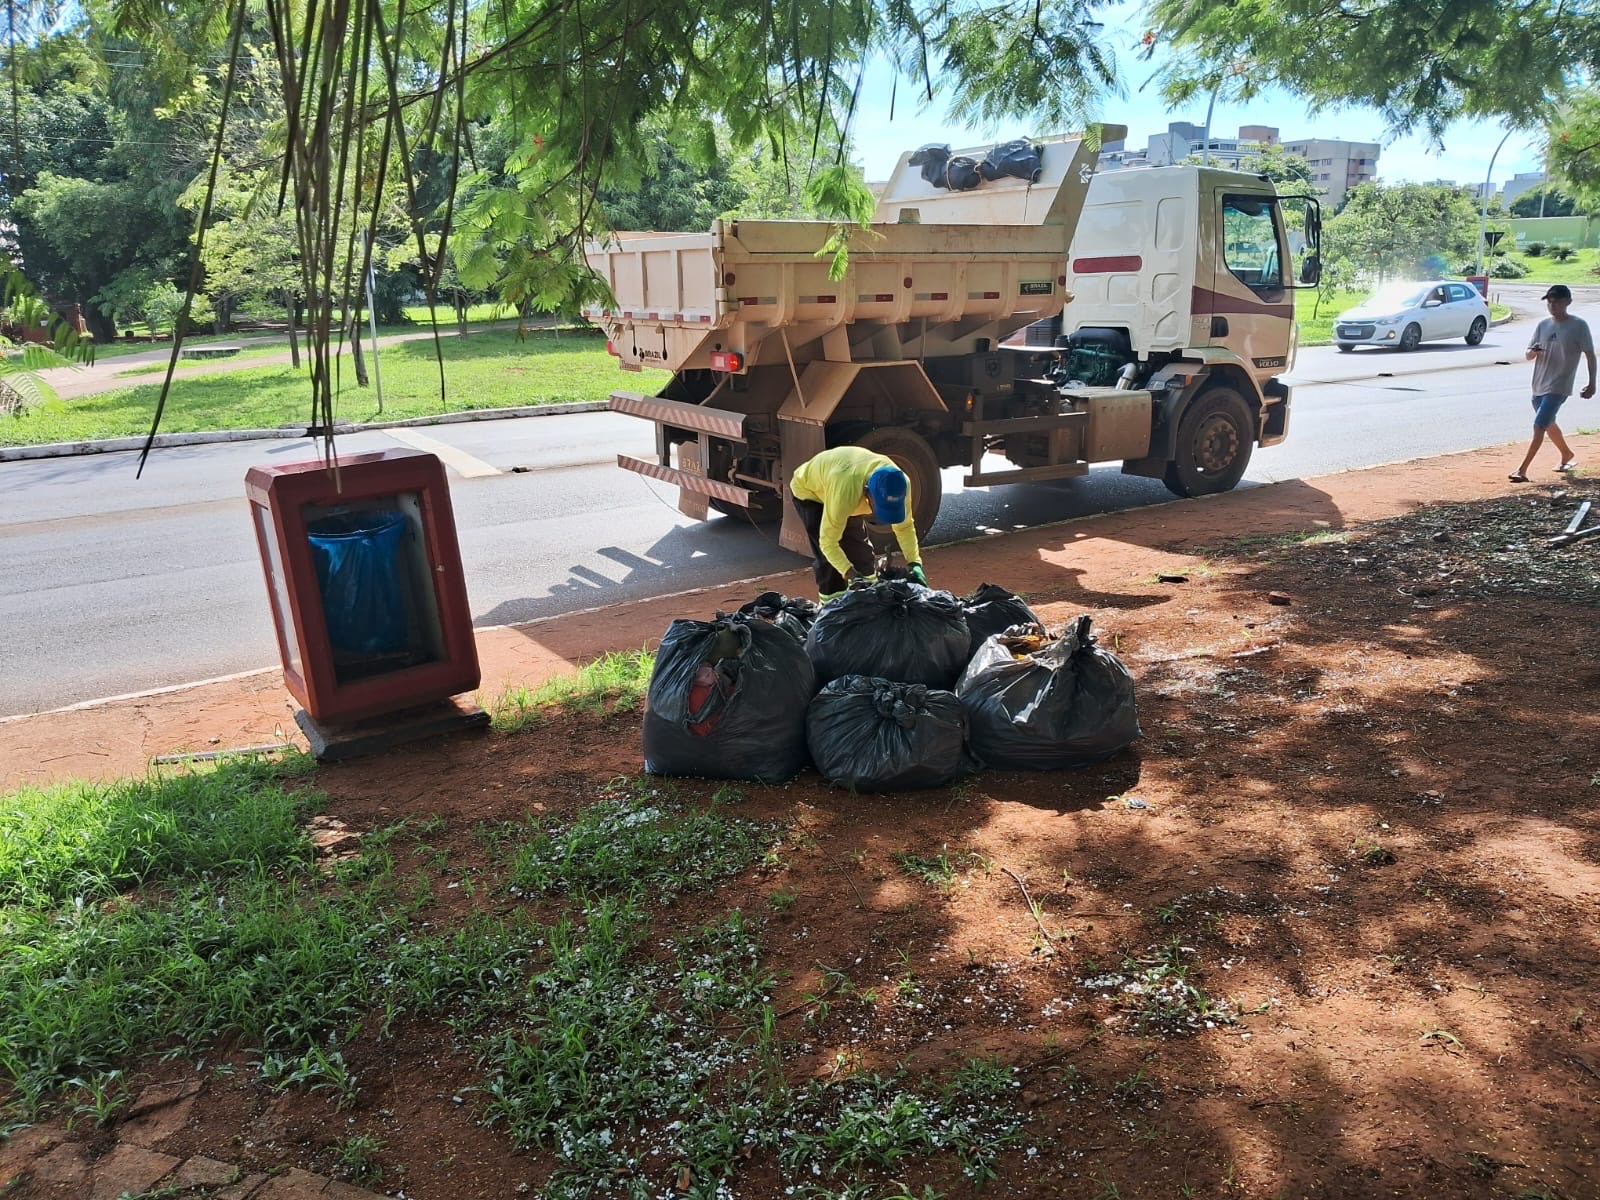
[[1024, 328]]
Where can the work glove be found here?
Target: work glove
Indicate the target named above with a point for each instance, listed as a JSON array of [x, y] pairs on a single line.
[[827, 597], [862, 578], [918, 575]]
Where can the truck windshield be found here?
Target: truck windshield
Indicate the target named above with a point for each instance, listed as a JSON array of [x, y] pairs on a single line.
[[1250, 241]]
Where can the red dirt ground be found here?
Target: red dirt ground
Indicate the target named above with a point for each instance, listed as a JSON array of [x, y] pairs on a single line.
[[1364, 804]]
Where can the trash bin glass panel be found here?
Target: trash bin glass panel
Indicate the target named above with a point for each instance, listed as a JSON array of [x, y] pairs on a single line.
[[372, 575]]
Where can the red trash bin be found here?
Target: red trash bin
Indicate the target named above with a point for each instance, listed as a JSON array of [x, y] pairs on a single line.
[[348, 664], [1481, 282]]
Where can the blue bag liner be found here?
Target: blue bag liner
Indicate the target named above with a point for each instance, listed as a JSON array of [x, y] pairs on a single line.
[[358, 573]]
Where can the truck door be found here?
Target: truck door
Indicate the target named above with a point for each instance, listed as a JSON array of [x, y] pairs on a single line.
[[1252, 305]]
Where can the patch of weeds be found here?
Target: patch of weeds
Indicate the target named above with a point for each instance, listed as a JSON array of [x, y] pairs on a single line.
[[616, 682], [1135, 1088], [939, 870], [1159, 997], [935, 869], [1370, 853], [85, 840], [783, 899], [314, 1069], [638, 840], [358, 1157], [98, 1097]]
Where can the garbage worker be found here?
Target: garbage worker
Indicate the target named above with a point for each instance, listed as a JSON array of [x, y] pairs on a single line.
[[834, 493]]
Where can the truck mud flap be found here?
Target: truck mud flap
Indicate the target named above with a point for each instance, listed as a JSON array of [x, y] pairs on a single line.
[[686, 480], [718, 422]]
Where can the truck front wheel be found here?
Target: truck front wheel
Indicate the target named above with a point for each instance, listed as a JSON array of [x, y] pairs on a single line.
[[911, 453], [1214, 443]]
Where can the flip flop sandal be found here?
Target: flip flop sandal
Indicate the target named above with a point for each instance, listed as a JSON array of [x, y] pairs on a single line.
[[1519, 477]]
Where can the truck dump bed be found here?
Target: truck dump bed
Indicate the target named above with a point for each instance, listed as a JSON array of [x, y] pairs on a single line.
[[996, 254]]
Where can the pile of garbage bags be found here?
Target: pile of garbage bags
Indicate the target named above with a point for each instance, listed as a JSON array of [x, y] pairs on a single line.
[[1018, 159], [891, 686]]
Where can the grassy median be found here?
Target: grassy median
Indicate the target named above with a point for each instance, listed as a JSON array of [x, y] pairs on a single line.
[[490, 369]]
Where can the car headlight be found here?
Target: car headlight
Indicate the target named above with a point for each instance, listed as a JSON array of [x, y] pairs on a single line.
[[1381, 321]]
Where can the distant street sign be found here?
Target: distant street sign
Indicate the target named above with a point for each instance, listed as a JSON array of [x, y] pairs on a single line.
[[1493, 236]]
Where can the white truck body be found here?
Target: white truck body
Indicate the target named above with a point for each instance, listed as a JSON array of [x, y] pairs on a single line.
[[1150, 310]]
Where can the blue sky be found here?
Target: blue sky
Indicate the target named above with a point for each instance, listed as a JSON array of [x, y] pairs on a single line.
[[1463, 158]]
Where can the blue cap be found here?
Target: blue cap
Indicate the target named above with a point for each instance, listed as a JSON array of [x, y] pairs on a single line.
[[886, 489]]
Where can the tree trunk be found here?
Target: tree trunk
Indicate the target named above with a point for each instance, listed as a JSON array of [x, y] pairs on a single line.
[[292, 303], [357, 358]]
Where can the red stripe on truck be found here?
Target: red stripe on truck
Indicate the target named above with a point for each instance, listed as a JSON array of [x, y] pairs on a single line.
[[1110, 262]]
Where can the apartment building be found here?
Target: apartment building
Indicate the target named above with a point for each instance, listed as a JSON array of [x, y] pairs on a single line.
[[1337, 166]]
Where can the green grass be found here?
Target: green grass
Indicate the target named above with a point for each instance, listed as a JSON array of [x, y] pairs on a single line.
[[1582, 267], [486, 370], [245, 355], [182, 912], [616, 681]]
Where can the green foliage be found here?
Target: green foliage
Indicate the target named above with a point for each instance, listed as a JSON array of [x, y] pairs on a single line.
[[92, 841], [1421, 63], [1534, 249], [1506, 267], [1291, 172], [678, 193], [1556, 203], [486, 370], [1410, 230], [1573, 149], [640, 842], [618, 680]]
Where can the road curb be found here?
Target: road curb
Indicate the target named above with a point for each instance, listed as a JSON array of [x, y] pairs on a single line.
[[286, 432]]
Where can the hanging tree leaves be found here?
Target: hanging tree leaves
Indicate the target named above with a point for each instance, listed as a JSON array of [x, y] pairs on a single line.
[[373, 88]]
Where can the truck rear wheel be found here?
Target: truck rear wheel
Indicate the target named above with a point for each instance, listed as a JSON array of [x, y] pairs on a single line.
[[912, 454], [1215, 438]]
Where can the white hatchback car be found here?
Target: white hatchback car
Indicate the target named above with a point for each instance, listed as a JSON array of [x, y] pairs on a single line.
[[1404, 315]]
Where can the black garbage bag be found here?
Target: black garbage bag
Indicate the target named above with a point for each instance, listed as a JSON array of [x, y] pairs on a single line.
[[897, 630], [931, 158], [727, 700], [1039, 705], [961, 174], [1016, 160], [991, 610], [872, 735], [794, 613]]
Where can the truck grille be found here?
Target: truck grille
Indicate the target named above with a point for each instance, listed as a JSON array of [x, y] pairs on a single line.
[[1355, 331]]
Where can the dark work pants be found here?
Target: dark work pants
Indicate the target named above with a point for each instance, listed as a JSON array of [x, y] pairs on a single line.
[[855, 542]]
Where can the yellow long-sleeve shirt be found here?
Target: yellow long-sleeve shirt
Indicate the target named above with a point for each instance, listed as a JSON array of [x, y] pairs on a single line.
[[837, 479]]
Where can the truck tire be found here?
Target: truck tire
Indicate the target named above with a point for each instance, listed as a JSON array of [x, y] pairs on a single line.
[[1215, 437], [912, 454]]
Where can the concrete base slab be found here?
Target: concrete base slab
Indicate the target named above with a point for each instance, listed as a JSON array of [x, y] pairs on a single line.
[[333, 743]]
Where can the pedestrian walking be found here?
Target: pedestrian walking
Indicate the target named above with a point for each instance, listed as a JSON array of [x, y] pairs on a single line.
[[1558, 342], [834, 493]]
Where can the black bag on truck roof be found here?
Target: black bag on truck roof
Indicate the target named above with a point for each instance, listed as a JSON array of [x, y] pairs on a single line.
[[727, 700], [896, 630], [1039, 705], [931, 158], [794, 613], [990, 609], [873, 735], [961, 174], [1018, 160]]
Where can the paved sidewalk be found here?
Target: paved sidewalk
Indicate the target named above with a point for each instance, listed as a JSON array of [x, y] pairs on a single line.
[[1095, 562], [41, 1158]]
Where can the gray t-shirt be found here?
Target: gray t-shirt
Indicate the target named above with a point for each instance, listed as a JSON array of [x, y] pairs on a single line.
[[1565, 343]]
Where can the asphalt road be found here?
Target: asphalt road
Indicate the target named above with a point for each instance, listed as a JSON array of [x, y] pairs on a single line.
[[112, 585]]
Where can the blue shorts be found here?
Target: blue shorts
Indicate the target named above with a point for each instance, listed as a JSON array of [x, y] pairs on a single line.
[[1545, 408]]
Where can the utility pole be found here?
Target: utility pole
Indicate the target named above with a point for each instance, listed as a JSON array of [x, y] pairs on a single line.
[[1483, 225]]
